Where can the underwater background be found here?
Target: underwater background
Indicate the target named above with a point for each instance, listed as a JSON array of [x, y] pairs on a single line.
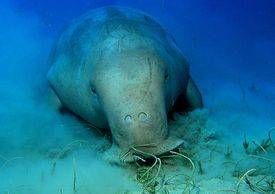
[[230, 46]]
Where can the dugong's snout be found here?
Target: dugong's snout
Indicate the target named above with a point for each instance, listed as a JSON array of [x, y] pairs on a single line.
[[144, 128], [142, 133], [137, 128]]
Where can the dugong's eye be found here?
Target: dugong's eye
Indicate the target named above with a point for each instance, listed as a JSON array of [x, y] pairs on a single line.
[[93, 90], [166, 75]]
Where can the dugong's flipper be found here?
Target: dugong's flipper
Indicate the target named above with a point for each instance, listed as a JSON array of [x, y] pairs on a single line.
[[193, 95], [190, 99]]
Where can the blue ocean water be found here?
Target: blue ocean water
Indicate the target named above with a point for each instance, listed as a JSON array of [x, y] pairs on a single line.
[[230, 46]]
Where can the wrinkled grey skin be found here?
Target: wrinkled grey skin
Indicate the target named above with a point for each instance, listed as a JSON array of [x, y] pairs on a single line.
[[119, 70]]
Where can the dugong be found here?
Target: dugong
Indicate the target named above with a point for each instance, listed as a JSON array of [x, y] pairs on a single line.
[[119, 70]]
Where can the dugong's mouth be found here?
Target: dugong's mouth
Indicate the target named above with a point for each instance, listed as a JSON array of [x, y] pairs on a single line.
[[142, 152], [141, 149]]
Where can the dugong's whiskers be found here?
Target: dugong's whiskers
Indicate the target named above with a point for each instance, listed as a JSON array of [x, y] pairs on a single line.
[[143, 152], [134, 148], [145, 145]]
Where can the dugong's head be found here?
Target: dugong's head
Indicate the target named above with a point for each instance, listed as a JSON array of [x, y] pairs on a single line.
[[132, 87]]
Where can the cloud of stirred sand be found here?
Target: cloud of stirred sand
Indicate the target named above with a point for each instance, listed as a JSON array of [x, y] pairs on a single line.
[[33, 134]]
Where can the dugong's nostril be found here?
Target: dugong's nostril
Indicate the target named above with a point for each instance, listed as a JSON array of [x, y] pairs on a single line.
[[128, 119], [142, 116]]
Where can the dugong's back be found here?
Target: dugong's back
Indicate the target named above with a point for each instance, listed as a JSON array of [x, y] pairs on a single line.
[[101, 28]]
